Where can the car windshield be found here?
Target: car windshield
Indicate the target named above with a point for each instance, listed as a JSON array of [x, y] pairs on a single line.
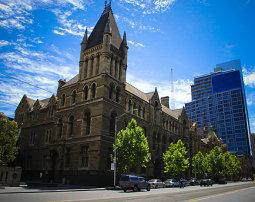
[[124, 178], [153, 180]]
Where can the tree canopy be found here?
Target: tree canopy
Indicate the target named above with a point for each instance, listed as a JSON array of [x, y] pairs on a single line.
[[175, 159], [8, 139], [200, 164], [132, 148]]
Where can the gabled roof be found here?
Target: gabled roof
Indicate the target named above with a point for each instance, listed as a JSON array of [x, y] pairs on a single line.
[[96, 36], [133, 90], [30, 101], [72, 81], [170, 112]]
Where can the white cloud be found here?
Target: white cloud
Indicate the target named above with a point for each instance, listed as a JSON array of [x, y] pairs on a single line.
[[182, 90], [250, 99], [150, 6], [17, 14], [4, 43], [69, 26], [136, 44], [249, 77], [136, 25]]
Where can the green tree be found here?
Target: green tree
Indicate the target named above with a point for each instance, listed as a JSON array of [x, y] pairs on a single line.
[[232, 165], [132, 148], [199, 164], [8, 138], [175, 160], [216, 162]]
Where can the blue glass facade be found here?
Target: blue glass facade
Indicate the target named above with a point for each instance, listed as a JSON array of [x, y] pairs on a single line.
[[218, 101]]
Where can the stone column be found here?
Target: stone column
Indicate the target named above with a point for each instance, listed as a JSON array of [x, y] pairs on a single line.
[[113, 67], [117, 69], [91, 67], [88, 67], [94, 67], [85, 68]]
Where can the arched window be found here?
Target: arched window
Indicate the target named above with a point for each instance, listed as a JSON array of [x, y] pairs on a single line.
[[60, 127], [63, 99], [134, 109], [111, 90], [118, 94], [70, 125], [86, 92], [139, 111], [93, 90], [87, 122], [74, 97], [112, 123], [129, 105]]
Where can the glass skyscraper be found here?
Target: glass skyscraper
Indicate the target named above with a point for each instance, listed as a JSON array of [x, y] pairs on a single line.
[[218, 101]]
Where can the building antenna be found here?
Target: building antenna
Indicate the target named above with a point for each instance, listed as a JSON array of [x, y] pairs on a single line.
[[172, 90]]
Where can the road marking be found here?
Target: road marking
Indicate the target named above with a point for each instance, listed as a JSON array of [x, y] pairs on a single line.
[[216, 195]]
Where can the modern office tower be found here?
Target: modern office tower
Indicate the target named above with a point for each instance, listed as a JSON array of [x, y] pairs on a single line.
[[218, 102]]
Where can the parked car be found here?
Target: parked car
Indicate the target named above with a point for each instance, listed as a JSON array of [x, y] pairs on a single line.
[[183, 183], [222, 180], [172, 183], [132, 182], [193, 182], [206, 182], [156, 183]]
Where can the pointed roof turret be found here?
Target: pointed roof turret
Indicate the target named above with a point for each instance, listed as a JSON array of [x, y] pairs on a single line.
[[96, 36], [85, 37]]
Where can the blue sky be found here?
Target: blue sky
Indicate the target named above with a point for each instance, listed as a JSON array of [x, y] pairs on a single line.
[[40, 43]]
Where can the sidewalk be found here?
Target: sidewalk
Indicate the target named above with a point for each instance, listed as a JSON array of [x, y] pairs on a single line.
[[56, 188]]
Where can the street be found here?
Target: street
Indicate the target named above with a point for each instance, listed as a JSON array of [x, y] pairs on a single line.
[[242, 191]]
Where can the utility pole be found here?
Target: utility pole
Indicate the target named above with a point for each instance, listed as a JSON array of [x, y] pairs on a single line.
[[172, 91]]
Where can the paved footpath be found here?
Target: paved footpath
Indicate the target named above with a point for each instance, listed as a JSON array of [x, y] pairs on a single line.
[[168, 194]]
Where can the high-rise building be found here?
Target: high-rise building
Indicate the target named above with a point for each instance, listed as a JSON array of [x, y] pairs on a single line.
[[218, 102]]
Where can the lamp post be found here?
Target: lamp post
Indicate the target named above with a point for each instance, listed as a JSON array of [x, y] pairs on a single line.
[[115, 150]]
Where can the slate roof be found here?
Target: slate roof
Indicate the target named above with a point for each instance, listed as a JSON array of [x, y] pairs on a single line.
[[96, 36], [72, 81], [133, 90], [173, 113]]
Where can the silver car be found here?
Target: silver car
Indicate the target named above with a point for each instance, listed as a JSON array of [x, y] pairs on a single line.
[[172, 183], [156, 183]]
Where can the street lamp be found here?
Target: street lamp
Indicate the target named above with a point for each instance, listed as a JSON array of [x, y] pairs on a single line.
[[115, 150]]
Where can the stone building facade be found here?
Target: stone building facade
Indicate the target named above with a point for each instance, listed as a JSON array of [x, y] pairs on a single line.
[[69, 136]]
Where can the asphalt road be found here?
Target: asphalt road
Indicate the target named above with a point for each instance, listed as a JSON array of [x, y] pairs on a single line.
[[241, 192]]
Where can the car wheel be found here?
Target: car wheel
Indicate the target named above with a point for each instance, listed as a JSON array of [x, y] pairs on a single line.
[[125, 190], [135, 189], [148, 188]]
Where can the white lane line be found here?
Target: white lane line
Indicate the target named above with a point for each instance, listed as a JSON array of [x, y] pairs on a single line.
[[216, 195]]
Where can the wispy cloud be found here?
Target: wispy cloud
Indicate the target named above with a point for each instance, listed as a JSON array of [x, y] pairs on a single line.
[[136, 25], [4, 43], [182, 91], [251, 99], [136, 44], [149, 6], [249, 77], [36, 68], [69, 26], [17, 14]]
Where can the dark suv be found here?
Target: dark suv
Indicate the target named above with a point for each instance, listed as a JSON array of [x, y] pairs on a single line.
[[134, 183]]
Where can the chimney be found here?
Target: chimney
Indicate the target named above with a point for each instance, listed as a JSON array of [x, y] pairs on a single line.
[[165, 101], [61, 82]]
